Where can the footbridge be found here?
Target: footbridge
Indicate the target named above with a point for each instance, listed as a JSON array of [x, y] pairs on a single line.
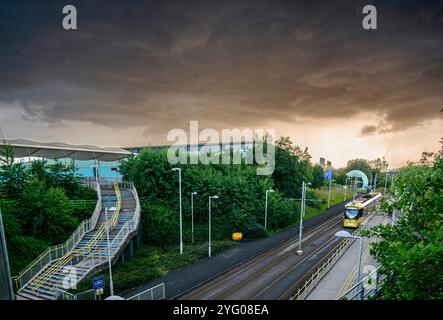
[[87, 250], [111, 229]]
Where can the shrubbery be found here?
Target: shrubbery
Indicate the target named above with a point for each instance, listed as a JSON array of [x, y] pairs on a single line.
[[411, 252], [241, 191], [36, 206]]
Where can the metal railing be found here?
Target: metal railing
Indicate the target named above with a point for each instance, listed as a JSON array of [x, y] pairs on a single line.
[[369, 286], [64, 295], [69, 257], [352, 278], [154, 293], [86, 256], [95, 258], [58, 251], [316, 276], [129, 227], [86, 295]]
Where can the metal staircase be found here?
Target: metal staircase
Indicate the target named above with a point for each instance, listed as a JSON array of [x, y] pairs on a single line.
[[61, 267]]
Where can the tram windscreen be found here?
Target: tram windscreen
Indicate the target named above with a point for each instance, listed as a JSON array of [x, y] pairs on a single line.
[[351, 213]]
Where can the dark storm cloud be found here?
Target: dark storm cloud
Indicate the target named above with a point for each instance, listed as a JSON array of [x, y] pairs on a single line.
[[159, 64]]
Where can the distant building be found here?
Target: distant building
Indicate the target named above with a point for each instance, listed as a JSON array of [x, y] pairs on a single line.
[[216, 147], [322, 162]]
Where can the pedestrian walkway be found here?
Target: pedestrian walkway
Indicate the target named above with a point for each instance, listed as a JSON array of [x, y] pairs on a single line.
[[343, 274]]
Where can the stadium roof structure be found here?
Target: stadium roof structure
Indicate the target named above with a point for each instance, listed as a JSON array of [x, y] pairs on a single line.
[[25, 148]]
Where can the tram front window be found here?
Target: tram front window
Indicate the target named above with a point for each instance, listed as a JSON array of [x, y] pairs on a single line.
[[351, 213]]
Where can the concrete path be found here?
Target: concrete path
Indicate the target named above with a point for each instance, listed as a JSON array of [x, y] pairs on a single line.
[[343, 273]]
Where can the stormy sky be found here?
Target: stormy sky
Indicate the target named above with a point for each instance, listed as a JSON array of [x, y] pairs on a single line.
[[133, 70]]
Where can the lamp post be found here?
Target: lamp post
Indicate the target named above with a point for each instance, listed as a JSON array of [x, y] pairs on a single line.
[[302, 214], [346, 188], [329, 193], [192, 214], [345, 234], [7, 291], [209, 233], [181, 216], [266, 207], [386, 180], [355, 189], [375, 182], [111, 284]]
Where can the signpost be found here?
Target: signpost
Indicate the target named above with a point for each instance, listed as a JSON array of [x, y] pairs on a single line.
[[98, 283]]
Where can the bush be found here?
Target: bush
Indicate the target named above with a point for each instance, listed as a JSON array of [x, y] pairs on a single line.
[[160, 224]]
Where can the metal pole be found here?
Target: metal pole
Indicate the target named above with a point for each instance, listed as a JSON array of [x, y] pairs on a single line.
[[375, 183], [209, 233], [6, 272], [386, 180], [299, 251], [192, 216], [111, 285], [359, 266], [329, 193], [266, 209], [346, 188], [181, 217], [355, 188]]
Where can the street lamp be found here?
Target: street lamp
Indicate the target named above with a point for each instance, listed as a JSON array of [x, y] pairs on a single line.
[[302, 214], [192, 214], [346, 187], [266, 207], [111, 284], [181, 216], [345, 234], [386, 180], [209, 234], [355, 188], [329, 193]]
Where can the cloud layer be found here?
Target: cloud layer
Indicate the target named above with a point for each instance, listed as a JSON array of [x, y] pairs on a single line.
[[158, 64]]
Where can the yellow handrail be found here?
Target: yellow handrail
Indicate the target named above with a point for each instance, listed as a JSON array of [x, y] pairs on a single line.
[[63, 261]]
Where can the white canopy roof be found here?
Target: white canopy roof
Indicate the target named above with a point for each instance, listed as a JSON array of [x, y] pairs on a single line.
[[56, 150]]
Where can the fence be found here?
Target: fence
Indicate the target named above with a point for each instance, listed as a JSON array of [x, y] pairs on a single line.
[[85, 295], [154, 293], [368, 287], [316, 276]]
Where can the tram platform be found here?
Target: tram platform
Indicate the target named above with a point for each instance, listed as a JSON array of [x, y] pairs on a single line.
[[343, 274]]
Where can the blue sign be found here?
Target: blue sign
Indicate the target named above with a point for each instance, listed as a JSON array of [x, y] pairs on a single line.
[[328, 175], [98, 282]]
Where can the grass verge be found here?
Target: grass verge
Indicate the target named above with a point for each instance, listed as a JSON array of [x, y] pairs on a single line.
[[150, 262]]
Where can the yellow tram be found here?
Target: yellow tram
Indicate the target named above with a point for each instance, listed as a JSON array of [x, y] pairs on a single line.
[[356, 211]]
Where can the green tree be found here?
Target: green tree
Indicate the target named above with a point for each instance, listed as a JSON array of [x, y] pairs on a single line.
[[13, 175], [411, 252], [45, 213], [360, 164], [318, 176], [292, 167]]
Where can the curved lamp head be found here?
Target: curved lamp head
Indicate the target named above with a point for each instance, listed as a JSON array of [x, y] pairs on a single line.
[[213, 197], [176, 169], [270, 190], [194, 193], [345, 234]]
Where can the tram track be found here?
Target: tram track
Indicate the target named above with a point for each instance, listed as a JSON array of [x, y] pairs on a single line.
[[263, 276]]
